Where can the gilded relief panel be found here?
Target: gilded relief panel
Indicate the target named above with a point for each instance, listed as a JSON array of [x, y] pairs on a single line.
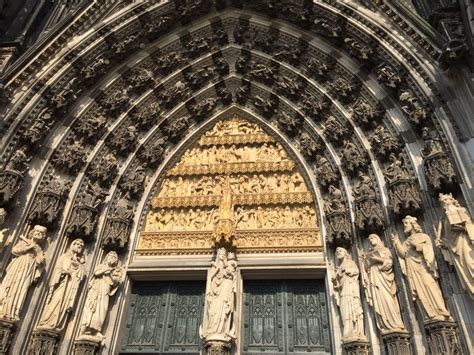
[[237, 174]]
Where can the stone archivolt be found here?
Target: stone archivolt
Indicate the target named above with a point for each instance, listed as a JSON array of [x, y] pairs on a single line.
[[272, 208]]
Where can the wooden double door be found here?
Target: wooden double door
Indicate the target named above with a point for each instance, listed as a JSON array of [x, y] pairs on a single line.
[[278, 317]]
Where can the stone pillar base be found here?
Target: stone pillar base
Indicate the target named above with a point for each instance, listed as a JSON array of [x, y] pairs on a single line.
[[86, 347], [43, 342], [443, 337], [398, 343], [6, 331], [216, 347], [356, 347]]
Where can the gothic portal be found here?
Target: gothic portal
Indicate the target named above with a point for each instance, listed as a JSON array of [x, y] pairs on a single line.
[[226, 177]]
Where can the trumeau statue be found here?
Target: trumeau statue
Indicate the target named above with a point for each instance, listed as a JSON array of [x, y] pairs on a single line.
[[104, 283], [380, 288], [24, 269], [346, 287], [64, 284], [419, 266], [219, 323], [456, 238]]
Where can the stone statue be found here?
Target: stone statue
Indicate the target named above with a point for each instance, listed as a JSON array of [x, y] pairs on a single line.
[[24, 269], [455, 237], [219, 323], [346, 287], [419, 266], [3, 231], [380, 288], [103, 284], [64, 284]]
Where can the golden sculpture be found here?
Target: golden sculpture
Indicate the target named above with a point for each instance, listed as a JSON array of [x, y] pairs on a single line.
[[236, 184]]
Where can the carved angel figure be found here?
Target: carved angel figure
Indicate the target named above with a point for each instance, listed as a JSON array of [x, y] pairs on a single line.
[[456, 239], [218, 322], [380, 288], [67, 275], [24, 269], [104, 283], [346, 287], [419, 266]]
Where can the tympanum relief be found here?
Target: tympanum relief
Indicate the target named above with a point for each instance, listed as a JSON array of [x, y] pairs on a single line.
[[272, 208]]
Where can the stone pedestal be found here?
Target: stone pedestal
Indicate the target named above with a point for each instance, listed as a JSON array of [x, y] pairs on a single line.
[[397, 343], [356, 347], [443, 337], [43, 342], [6, 331], [86, 347], [216, 347]]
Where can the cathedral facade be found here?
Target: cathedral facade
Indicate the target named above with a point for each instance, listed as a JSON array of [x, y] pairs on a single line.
[[236, 177]]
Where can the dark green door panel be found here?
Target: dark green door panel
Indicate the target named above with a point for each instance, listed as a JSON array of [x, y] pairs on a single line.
[[285, 317], [164, 318]]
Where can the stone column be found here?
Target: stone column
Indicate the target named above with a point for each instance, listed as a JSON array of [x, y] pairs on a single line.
[[398, 343], [6, 331], [357, 347], [43, 342], [443, 337]]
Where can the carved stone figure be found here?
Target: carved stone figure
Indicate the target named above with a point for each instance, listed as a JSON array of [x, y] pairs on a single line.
[[165, 62], [39, 127], [318, 67], [49, 201], [419, 266], [219, 320], [369, 214], [63, 287], [288, 52], [124, 140], [455, 237], [324, 171], [86, 211], [267, 106], [126, 44], [151, 155], [224, 94], [312, 105], [362, 51], [404, 194], [383, 143], [363, 112], [159, 26], [438, 167], [117, 228], [388, 76], [71, 158], [347, 293], [135, 182], [342, 88], [262, 72], [353, 159], [289, 123], [339, 224], [197, 46], [140, 78], [3, 231], [92, 125], [175, 128], [416, 113], [115, 101], [309, 146], [198, 78], [204, 107], [104, 283], [146, 115], [11, 177], [325, 27], [23, 270], [334, 130], [96, 68], [66, 95], [380, 287], [287, 86], [105, 170]]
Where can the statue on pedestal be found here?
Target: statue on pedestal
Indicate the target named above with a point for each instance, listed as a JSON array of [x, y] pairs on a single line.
[[218, 326], [419, 266], [24, 269], [380, 288], [455, 237], [346, 287], [67, 275], [104, 283]]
